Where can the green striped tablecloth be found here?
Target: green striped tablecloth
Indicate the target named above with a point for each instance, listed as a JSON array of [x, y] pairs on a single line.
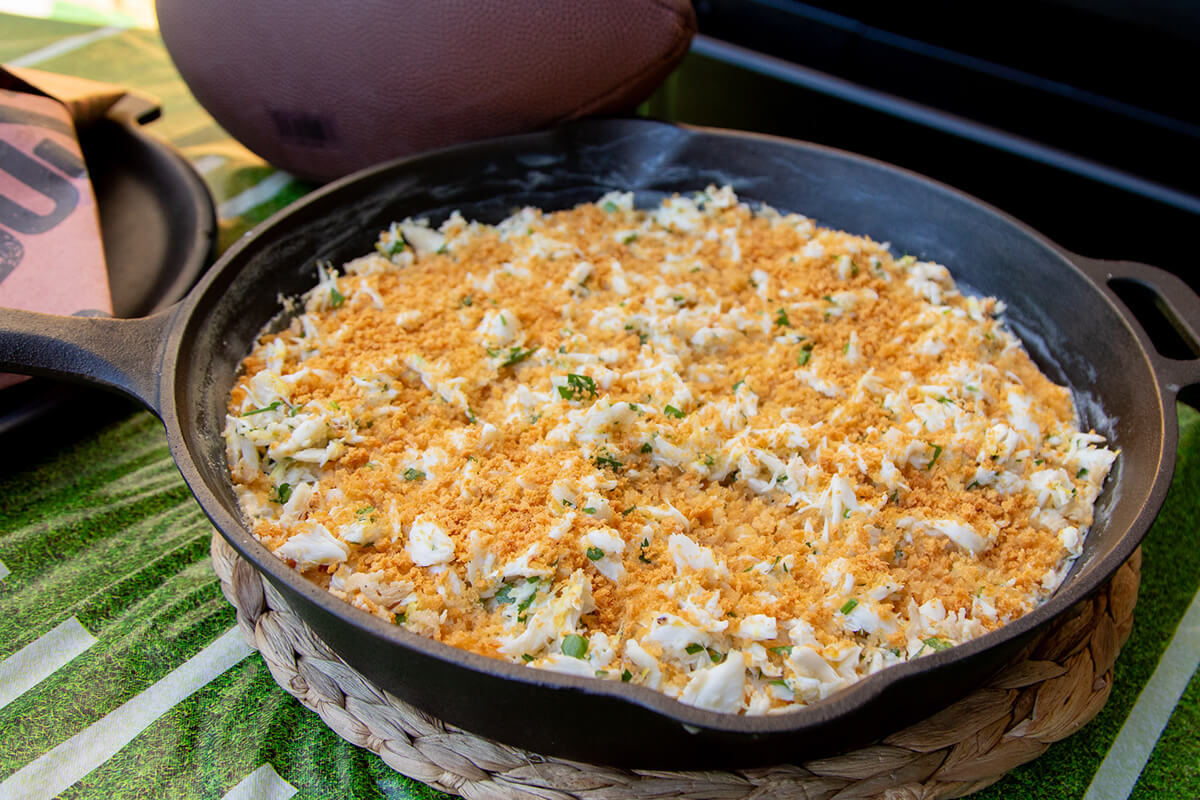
[[121, 672]]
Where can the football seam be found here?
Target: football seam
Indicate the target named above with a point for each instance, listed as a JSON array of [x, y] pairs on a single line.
[[687, 28]]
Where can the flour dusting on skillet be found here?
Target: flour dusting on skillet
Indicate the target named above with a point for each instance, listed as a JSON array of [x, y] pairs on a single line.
[[722, 453]]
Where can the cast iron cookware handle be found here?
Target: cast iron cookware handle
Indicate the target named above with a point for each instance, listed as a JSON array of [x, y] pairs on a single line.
[[1174, 300], [119, 354]]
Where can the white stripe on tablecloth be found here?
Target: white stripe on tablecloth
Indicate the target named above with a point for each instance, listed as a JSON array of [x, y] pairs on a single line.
[[1135, 742], [41, 658], [52, 773], [4, 573], [255, 196], [206, 164], [262, 784], [64, 46]]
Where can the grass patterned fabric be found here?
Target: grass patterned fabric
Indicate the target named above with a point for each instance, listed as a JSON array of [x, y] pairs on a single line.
[[100, 539]]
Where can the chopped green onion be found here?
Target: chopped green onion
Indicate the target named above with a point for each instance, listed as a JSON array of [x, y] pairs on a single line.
[[595, 553], [694, 648], [516, 355], [626, 676], [646, 447], [937, 451], [938, 644], [574, 645], [577, 386], [588, 510], [1082, 472], [782, 650], [526, 657], [282, 493], [336, 298], [849, 606], [610, 206], [610, 462], [413, 474], [672, 411], [781, 318], [271, 407], [805, 354]]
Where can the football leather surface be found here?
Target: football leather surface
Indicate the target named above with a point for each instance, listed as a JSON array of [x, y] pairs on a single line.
[[322, 89]]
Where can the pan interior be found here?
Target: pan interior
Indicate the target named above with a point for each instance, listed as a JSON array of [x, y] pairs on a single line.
[[1074, 333]]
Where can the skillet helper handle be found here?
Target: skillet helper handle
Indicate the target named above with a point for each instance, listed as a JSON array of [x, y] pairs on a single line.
[[117, 354], [1177, 302]]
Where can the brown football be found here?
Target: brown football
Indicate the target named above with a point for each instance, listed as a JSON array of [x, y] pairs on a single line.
[[321, 89]]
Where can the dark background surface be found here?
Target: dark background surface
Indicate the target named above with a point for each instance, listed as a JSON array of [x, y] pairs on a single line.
[[1079, 118]]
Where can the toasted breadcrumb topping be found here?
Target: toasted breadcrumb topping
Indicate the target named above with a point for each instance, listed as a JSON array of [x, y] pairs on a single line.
[[713, 450]]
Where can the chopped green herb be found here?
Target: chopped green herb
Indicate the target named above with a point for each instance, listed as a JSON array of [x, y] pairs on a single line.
[[577, 387], [1040, 461], [944, 400], [391, 248], [629, 511], [646, 447], [365, 511], [588, 510], [937, 644], [413, 474], [504, 596], [526, 657], [738, 385], [610, 206], [282, 492], [672, 411], [574, 645], [849, 606], [805, 354], [334, 405], [1082, 472], [782, 650], [400, 618], [626, 676], [779, 682], [937, 452], [594, 553], [694, 648], [516, 355], [781, 318], [467, 300], [528, 601], [610, 462], [629, 238], [271, 407], [972, 485], [715, 656], [336, 298]]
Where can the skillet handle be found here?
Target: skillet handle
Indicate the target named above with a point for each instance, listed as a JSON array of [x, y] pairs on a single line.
[[118, 354], [1174, 301]]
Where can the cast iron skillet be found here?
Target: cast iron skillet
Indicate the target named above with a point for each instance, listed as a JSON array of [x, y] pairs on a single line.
[[181, 363]]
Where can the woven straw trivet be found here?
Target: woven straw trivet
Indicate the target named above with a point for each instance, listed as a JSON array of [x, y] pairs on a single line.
[[1061, 681]]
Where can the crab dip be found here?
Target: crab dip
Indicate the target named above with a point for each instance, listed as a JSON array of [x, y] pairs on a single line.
[[708, 448]]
